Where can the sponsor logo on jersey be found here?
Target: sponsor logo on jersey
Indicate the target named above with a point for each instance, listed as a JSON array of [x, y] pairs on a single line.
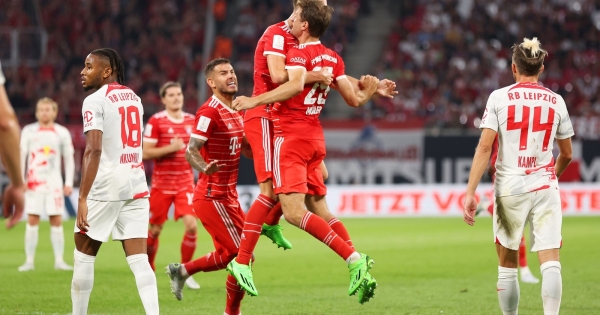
[[88, 116], [298, 60]]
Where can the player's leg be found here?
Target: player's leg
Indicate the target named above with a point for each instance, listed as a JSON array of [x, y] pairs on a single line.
[[184, 209], [55, 209], [525, 274], [34, 204], [225, 230], [510, 216], [546, 240], [159, 209], [130, 229]]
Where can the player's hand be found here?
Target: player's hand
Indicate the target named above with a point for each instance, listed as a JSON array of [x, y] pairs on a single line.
[[212, 167], [68, 190], [82, 213], [177, 144], [369, 83], [13, 204], [243, 102], [386, 88], [326, 76], [469, 209]]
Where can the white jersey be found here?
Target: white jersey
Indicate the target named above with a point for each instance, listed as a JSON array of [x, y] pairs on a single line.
[[117, 111], [42, 149], [528, 117]]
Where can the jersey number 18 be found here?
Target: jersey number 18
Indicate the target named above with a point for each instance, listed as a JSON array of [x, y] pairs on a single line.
[[131, 127]]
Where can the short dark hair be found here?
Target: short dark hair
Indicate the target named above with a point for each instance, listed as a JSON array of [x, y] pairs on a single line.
[[528, 56], [317, 14], [212, 64], [164, 87], [116, 63]]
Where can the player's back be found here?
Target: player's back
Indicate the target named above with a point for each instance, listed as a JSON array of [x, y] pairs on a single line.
[[528, 117], [172, 172], [276, 40], [222, 129], [43, 147], [299, 115], [117, 111]]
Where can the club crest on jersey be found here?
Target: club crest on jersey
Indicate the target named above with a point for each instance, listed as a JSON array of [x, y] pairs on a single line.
[[188, 129]]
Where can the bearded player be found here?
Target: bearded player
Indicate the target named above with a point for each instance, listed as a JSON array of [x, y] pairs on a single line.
[[165, 139]]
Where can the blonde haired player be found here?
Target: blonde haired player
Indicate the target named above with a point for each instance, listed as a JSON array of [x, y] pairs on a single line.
[[528, 118], [43, 144]]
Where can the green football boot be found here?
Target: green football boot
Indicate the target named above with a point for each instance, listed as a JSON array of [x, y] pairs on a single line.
[[273, 232], [367, 290], [243, 275], [358, 272]]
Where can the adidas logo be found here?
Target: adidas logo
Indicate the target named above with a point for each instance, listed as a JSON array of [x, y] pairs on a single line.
[[170, 130], [243, 236], [229, 126]]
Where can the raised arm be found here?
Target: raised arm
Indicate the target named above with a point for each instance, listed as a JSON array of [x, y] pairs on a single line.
[[385, 88], [285, 91], [193, 156], [279, 75], [354, 97]]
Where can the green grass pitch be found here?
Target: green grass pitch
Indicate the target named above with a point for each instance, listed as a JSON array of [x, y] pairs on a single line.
[[423, 266]]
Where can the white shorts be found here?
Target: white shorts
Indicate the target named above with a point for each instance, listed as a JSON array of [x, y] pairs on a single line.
[[542, 209], [125, 219], [36, 203]]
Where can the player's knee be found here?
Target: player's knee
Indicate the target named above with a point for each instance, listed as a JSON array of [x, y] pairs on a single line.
[[293, 217], [155, 229]]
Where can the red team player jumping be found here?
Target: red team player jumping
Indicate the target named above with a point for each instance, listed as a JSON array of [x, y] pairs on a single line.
[[526, 275], [165, 139], [214, 150], [299, 145]]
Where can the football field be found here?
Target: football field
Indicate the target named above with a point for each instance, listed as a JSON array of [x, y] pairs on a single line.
[[423, 266]]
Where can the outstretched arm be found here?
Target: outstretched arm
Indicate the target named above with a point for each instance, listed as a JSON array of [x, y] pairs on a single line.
[[193, 156], [357, 97], [285, 91], [385, 88]]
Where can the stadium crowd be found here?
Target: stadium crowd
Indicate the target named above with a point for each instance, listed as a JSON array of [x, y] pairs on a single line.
[[447, 58]]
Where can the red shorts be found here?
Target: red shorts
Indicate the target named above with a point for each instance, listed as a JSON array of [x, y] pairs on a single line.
[[259, 133], [160, 204], [224, 221], [297, 166]]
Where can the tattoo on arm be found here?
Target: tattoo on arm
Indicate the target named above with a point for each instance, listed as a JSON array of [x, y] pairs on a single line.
[[192, 154]]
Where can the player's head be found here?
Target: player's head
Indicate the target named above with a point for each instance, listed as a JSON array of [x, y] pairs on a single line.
[[312, 17], [295, 3], [102, 66], [46, 110], [221, 77], [171, 95], [528, 58]]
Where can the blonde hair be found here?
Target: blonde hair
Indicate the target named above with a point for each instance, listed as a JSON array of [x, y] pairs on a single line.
[[47, 100], [529, 56]]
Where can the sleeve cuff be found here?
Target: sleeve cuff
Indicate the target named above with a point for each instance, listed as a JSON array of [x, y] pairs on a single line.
[[193, 135], [273, 53], [565, 136], [488, 127], [343, 76], [151, 140], [294, 67]]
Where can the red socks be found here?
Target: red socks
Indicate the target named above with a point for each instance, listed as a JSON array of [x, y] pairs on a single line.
[[338, 227], [274, 215], [522, 253], [188, 246], [210, 262], [235, 294], [253, 226], [318, 228], [152, 244]]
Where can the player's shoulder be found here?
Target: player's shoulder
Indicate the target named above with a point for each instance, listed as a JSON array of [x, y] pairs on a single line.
[[210, 107], [159, 116], [188, 116], [30, 128], [280, 28], [98, 97]]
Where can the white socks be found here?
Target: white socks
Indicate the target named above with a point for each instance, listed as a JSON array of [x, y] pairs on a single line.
[[551, 287], [354, 257], [83, 281], [31, 241], [57, 238], [146, 282], [508, 290]]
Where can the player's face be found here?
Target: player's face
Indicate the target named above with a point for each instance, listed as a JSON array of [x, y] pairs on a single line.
[[298, 25], [173, 98], [91, 75], [45, 113], [224, 79]]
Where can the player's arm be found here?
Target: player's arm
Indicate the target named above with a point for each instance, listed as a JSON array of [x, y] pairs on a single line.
[[9, 133], [69, 161], [353, 97], [24, 147], [151, 151], [293, 87], [246, 149], [279, 74], [565, 154], [193, 156], [90, 162], [385, 88]]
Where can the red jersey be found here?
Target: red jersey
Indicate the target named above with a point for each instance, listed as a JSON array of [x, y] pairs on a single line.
[[223, 130], [172, 173], [300, 114], [276, 40]]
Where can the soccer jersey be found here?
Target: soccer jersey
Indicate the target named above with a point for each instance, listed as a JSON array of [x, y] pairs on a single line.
[[43, 148], [117, 111], [172, 173], [299, 115], [276, 40], [223, 130], [528, 117]]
